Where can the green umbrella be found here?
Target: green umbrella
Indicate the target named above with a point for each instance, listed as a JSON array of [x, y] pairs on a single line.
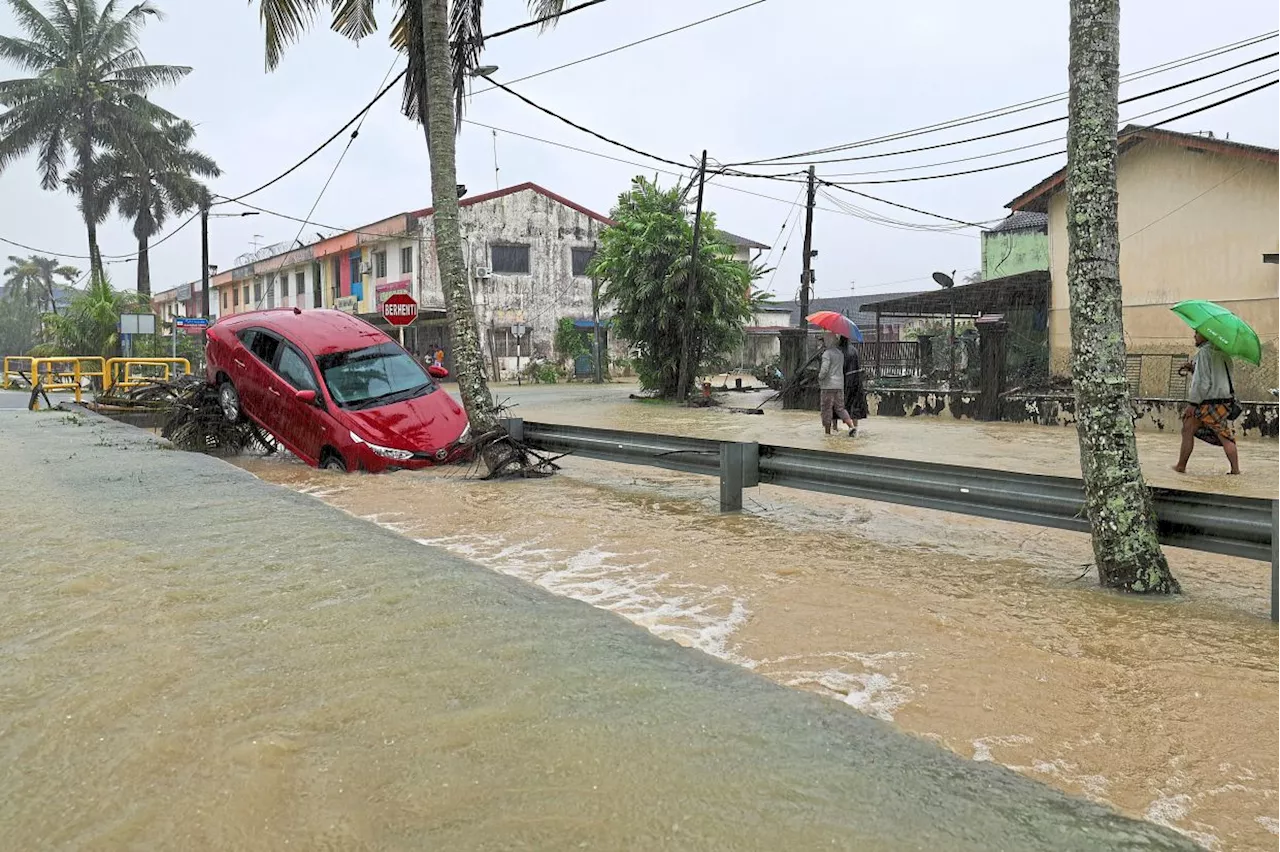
[[1222, 328]]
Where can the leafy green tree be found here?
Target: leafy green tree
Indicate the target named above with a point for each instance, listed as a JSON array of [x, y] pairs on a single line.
[[570, 342], [87, 94], [643, 264], [152, 177], [90, 325], [35, 280], [442, 40]]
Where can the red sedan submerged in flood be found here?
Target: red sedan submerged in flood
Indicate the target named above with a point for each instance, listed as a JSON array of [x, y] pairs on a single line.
[[334, 390]]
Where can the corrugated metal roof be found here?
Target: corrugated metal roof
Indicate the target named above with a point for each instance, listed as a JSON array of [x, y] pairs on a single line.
[[1022, 220], [741, 242]]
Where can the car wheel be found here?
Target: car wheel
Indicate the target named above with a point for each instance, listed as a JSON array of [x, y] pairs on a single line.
[[229, 400], [333, 461]]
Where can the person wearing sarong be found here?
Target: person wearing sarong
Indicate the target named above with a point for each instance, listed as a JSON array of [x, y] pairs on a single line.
[[1210, 395]]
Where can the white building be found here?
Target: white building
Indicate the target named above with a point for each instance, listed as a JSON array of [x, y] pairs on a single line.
[[526, 251]]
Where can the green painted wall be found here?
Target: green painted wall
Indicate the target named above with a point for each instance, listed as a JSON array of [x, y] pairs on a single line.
[[1010, 252]]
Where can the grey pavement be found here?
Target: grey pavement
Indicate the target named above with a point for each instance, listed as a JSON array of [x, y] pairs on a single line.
[[491, 714]]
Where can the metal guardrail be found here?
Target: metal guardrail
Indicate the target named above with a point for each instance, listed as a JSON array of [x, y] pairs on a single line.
[[15, 367], [1215, 523]]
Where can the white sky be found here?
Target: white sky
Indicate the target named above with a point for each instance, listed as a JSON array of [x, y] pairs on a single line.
[[781, 77]]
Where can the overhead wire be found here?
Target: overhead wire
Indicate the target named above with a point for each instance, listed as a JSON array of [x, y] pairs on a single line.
[[626, 46], [270, 288], [1000, 112], [1021, 128], [128, 255], [1187, 114], [1056, 139]]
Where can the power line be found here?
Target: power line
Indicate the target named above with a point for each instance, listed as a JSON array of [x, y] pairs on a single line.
[[298, 236], [1169, 120], [365, 109], [626, 46], [134, 254], [1000, 112], [1042, 143], [1021, 128], [357, 117], [544, 19]]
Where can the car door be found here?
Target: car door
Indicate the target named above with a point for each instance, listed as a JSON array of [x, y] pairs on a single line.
[[302, 424], [263, 347]]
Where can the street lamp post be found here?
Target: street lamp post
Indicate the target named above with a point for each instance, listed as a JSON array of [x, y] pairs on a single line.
[[205, 216]]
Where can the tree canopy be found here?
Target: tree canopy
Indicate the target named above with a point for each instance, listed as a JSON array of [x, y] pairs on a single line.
[[644, 262], [87, 94]]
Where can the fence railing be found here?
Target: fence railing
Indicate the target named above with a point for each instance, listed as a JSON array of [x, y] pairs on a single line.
[[1215, 523]]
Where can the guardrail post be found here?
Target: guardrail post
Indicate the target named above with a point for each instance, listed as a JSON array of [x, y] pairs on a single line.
[[514, 427], [750, 464], [731, 476], [1275, 560]]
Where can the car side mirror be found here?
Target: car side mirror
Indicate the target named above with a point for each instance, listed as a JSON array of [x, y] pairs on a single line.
[[437, 372], [306, 397]]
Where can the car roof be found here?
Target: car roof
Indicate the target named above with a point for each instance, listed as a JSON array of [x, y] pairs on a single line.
[[320, 331]]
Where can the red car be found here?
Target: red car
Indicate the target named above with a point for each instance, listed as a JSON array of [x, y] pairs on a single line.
[[334, 390]]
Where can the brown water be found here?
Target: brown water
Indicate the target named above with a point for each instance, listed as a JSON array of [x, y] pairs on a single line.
[[981, 635]]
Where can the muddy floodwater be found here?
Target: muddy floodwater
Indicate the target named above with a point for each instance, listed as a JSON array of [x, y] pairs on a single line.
[[193, 659], [989, 638]]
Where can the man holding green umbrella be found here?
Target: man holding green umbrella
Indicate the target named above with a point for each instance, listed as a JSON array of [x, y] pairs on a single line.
[[1219, 334]]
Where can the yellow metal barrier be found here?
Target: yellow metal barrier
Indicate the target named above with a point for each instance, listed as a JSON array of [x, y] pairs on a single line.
[[14, 367], [120, 371], [66, 373]]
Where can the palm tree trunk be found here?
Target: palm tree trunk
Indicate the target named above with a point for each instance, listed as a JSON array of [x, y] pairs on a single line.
[[1125, 543], [144, 268], [95, 254], [88, 205], [441, 139]]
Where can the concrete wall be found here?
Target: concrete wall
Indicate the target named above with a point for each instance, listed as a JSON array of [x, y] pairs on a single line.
[[548, 292], [1193, 226], [1259, 420], [1011, 252]]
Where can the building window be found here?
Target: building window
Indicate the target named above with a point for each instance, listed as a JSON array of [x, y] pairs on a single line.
[[257, 290], [510, 260], [406, 260], [224, 300], [246, 295], [235, 297], [379, 264], [504, 342], [581, 260], [300, 282], [271, 292]]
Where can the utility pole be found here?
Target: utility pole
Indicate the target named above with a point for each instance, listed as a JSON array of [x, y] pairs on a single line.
[[204, 267], [687, 367], [806, 276]]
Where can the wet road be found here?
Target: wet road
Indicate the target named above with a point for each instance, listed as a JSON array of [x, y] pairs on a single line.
[[197, 660], [989, 638]]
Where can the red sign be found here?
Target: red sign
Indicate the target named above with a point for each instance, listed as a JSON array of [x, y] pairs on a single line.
[[400, 309]]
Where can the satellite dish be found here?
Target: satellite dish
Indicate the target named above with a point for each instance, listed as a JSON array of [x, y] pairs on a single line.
[[944, 280]]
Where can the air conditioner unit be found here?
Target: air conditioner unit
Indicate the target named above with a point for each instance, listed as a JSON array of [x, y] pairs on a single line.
[[365, 267], [484, 272]]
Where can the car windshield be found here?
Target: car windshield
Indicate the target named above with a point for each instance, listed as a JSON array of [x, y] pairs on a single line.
[[377, 375]]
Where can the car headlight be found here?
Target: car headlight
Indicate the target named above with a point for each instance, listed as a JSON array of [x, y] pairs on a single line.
[[466, 434], [385, 452]]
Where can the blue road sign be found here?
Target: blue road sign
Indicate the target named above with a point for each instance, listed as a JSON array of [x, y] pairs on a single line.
[[191, 322]]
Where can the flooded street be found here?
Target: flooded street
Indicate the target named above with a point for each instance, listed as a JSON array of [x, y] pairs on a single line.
[[983, 636], [195, 659]]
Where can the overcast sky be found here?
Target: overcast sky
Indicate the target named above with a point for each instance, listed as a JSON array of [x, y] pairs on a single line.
[[780, 77]]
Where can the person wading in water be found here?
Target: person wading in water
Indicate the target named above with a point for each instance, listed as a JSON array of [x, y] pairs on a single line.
[[1212, 399], [831, 387], [855, 396]]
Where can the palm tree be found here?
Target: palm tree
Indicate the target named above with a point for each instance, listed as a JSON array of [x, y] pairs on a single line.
[[88, 93], [1126, 542], [442, 40], [91, 323], [151, 178], [35, 279]]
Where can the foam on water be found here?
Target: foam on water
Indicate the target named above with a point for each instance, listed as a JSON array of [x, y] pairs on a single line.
[[701, 617], [859, 680]]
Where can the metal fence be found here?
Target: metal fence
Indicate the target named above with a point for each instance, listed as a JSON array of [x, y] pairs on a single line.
[[1234, 526]]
